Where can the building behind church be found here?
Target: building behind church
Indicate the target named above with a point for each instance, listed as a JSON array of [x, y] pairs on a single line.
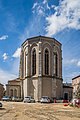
[[76, 85], [13, 88], [2, 90]]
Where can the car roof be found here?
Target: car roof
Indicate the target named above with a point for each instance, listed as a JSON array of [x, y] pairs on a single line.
[[45, 97], [28, 96]]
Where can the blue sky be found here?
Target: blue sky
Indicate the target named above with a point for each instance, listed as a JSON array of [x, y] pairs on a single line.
[[21, 19]]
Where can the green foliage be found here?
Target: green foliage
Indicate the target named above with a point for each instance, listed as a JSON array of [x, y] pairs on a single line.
[[71, 104]]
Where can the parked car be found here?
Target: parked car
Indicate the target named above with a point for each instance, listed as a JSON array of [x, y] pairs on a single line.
[[75, 101], [6, 98], [29, 99], [65, 101], [52, 100], [0, 104], [45, 99], [78, 101], [16, 99]]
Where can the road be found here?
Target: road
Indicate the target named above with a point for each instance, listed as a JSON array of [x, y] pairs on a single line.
[[38, 111]]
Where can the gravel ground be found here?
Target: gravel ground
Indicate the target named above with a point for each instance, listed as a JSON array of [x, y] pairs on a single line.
[[38, 111]]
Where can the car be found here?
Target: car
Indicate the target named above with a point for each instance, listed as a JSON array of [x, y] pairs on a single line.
[[29, 99], [75, 101], [45, 99], [0, 104], [78, 101], [65, 101], [16, 99], [52, 100], [6, 98]]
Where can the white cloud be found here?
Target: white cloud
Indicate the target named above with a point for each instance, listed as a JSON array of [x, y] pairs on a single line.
[[34, 5], [39, 9], [4, 37], [5, 56], [45, 1], [48, 6], [40, 12], [5, 76], [17, 53], [66, 15], [53, 6], [29, 29], [75, 62], [11, 73], [78, 63]]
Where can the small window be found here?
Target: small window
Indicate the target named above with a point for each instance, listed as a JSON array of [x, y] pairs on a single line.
[[15, 93], [55, 64], [46, 62], [11, 92], [34, 62]]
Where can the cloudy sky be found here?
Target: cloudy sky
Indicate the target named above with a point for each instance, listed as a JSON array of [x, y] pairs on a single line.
[[21, 19]]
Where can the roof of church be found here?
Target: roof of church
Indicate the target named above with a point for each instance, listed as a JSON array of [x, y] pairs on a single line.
[[15, 80], [41, 37]]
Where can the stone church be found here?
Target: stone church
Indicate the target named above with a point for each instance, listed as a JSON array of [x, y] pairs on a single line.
[[41, 67], [40, 72]]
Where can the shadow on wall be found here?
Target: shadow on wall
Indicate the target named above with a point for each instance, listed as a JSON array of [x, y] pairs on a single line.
[[32, 88]]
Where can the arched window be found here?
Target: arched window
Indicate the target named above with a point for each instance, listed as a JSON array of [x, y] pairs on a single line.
[[55, 64], [46, 62], [15, 93], [34, 62], [11, 93]]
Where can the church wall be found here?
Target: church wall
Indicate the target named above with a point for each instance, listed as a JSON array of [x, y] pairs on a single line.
[[59, 89], [31, 87], [34, 89], [25, 87], [47, 87]]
